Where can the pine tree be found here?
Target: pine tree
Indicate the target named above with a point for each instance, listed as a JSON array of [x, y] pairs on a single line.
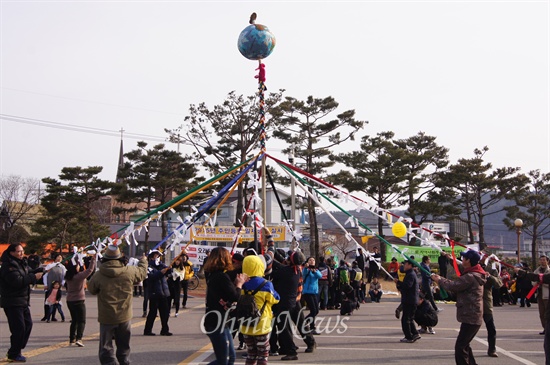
[[421, 160], [224, 136], [377, 170], [69, 217], [304, 126], [533, 207], [475, 186], [153, 176]]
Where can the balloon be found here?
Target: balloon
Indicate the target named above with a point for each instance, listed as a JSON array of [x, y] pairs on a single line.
[[256, 42], [399, 229]]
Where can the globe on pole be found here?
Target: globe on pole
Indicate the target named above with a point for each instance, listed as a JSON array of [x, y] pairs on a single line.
[[256, 42]]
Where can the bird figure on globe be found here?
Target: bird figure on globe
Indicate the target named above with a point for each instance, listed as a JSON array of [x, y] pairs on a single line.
[[256, 42]]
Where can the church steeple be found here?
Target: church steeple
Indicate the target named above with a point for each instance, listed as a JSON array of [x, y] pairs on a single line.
[[120, 157]]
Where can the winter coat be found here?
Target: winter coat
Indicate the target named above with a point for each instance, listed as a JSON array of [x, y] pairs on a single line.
[[58, 296], [535, 277], [426, 315], [375, 286], [286, 280], [469, 294], [75, 286], [524, 285], [409, 288], [254, 268], [157, 285], [326, 273], [311, 281], [54, 272], [15, 281], [443, 261], [426, 277], [113, 284], [188, 270], [339, 274], [360, 261], [220, 294], [545, 287], [493, 281]]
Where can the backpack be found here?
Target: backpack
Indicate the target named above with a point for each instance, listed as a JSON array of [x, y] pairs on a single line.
[[358, 275], [343, 276], [324, 274], [246, 307]]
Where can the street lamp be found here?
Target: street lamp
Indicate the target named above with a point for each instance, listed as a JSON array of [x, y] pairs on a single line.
[[518, 223]]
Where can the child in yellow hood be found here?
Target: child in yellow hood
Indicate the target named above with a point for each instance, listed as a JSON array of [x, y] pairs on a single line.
[[257, 336]]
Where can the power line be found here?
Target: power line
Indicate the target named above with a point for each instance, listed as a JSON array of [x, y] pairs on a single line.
[[91, 101], [77, 128]]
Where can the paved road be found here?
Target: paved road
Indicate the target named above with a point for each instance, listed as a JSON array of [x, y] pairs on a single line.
[[371, 336]]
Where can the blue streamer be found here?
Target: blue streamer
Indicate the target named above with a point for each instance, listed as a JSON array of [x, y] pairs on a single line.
[[212, 201]]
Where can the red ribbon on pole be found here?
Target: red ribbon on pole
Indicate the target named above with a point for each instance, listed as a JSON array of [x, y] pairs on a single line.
[[455, 265], [530, 294]]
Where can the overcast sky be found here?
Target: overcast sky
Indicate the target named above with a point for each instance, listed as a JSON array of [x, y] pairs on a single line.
[[471, 73]]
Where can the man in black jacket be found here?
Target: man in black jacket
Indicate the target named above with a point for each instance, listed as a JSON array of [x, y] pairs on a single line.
[[325, 282], [443, 262], [374, 261], [540, 279], [15, 291], [360, 258], [158, 293], [409, 300], [287, 280], [425, 315]]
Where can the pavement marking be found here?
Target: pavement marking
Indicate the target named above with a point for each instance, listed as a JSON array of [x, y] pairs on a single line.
[[60, 345], [392, 349], [504, 352], [512, 330], [199, 356]]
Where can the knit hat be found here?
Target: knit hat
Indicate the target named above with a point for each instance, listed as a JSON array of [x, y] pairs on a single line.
[[238, 257], [112, 253], [471, 255], [279, 255], [297, 258]]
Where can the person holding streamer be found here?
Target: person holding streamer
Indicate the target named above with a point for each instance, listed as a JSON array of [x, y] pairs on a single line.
[[409, 301], [158, 293], [427, 281], [540, 279], [543, 291], [310, 292], [493, 281], [15, 292], [221, 292], [469, 303], [113, 284], [75, 279]]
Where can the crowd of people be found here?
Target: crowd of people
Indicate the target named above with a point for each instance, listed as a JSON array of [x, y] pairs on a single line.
[[289, 291], [114, 284]]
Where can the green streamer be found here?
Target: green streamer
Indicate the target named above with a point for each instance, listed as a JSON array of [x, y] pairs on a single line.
[[187, 193], [382, 239]]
